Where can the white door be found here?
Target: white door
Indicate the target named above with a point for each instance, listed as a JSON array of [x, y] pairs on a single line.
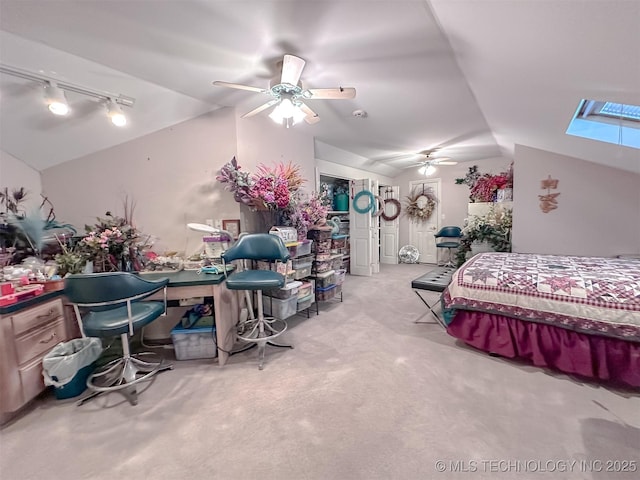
[[375, 234], [421, 233], [361, 231], [389, 230]]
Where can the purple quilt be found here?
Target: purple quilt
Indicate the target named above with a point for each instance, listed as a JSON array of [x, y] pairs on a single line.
[[587, 294]]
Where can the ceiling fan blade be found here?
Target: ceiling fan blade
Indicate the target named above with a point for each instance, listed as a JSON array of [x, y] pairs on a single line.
[[239, 86], [444, 162], [330, 93], [262, 107], [292, 69], [312, 117]]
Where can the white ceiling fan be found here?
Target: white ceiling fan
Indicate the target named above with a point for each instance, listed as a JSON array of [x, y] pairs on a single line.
[[428, 164], [287, 94]]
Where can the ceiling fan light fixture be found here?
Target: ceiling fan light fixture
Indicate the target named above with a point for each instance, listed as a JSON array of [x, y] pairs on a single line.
[[287, 113], [56, 99], [427, 170], [115, 113]]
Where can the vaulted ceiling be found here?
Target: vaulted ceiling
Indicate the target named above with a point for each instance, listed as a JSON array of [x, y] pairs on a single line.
[[470, 78]]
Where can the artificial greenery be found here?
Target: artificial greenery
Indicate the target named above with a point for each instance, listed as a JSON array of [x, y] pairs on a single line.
[[493, 228]]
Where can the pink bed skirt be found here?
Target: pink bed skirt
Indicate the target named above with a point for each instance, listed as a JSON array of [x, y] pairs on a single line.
[[602, 358]]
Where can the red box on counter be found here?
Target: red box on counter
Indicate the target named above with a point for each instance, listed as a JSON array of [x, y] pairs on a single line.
[[6, 288]]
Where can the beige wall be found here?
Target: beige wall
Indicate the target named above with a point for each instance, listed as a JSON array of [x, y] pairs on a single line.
[[453, 198], [170, 174], [15, 174], [598, 208]]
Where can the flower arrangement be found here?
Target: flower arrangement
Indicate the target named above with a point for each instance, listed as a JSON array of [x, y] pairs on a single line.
[[270, 188], [484, 187], [113, 244], [307, 213], [277, 189], [493, 228]]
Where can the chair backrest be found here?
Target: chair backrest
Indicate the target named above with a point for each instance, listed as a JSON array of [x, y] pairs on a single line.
[[449, 232], [109, 287], [257, 246]]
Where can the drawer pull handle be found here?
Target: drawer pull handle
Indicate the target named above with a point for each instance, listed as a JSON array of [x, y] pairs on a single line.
[[53, 335], [48, 314]]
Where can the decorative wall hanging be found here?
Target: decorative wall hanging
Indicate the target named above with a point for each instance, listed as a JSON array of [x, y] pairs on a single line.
[[396, 203], [549, 201], [370, 204], [421, 204], [390, 201]]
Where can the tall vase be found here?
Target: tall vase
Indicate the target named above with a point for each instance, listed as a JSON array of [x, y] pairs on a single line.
[[266, 219]]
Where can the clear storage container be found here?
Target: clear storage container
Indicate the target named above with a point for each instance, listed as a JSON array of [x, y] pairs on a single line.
[[336, 262], [326, 279], [289, 290], [302, 272], [301, 262], [194, 342], [304, 290], [338, 241], [321, 266], [305, 302], [323, 294], [339, 276], [303, 248], [280, 308], [320, 233]]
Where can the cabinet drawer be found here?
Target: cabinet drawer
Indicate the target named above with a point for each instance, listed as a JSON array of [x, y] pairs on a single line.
[[40, 341], [31, 380], [36, 316]]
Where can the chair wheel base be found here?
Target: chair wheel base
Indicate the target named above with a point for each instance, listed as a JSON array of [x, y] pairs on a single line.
[[123, 375], [262, 332]]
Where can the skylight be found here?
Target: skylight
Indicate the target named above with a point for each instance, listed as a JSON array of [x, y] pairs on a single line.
[[607, 122]]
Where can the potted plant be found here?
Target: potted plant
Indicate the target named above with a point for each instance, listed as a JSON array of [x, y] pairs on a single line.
[[494, 229]]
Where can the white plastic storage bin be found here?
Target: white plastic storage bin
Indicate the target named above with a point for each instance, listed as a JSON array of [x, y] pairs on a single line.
[[194, 342], [278, 308], [289, 290]]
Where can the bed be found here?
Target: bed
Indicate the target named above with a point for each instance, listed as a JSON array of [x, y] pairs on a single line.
[[578, 315]]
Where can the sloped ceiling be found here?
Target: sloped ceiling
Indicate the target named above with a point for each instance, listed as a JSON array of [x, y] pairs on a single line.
[[469, 78]]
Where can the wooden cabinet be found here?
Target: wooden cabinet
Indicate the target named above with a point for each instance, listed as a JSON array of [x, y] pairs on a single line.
[[26, 335]]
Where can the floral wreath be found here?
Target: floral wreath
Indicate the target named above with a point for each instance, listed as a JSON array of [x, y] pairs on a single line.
[[419, 210]]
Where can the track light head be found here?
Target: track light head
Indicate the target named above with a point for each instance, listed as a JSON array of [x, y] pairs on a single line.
[[115, 113], [56, 100]]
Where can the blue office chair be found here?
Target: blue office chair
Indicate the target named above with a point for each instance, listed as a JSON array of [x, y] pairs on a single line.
[[111, 304], [266, 247], [452, 237]]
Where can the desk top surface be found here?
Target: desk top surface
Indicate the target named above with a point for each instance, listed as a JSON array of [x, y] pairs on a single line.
[[183, 278], [30, 302], [186, 278]]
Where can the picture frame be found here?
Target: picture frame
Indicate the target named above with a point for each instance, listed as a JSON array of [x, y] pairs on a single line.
[[232, 226]]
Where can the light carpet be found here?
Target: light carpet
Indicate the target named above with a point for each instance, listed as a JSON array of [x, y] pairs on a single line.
[[366, 394]]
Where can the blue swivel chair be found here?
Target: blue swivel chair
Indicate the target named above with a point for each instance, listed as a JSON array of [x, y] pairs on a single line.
[[254, 247], [109, 305], [449, 238]]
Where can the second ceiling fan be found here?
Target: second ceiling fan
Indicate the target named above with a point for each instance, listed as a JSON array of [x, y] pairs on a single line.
[[288, 96]]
